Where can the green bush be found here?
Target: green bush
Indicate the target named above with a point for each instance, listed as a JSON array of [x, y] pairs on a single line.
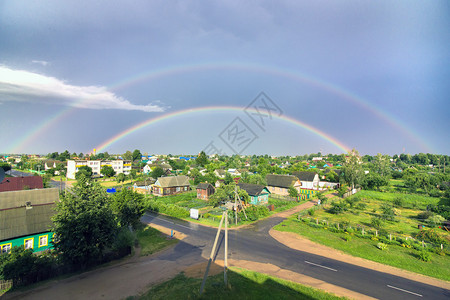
[[338, 207], [168, 209], [398, 202], [435, 220], [377, 223], [254, 213], [431, 235], [382, 246], [424, 255], [361, 206], [425, 215]]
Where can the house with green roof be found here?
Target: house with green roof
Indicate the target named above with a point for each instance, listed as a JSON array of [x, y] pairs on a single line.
[[25, 219]]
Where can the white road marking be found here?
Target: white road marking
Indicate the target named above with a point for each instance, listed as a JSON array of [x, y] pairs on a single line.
[[173, 223], [393, 287], [320, 266]]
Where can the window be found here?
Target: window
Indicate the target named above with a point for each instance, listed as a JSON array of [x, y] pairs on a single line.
[[28, 243], [43, 240], [5, 248]]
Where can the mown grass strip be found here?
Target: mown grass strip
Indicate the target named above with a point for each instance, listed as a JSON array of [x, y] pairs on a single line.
[[244, 284]]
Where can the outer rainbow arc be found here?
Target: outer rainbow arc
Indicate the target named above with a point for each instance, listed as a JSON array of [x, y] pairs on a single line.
[[151, 121], [290, 74]]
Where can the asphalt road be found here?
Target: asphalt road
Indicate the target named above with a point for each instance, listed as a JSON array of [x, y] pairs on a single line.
[[255, 244]]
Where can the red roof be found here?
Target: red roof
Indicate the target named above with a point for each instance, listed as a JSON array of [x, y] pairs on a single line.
[[21, 183]]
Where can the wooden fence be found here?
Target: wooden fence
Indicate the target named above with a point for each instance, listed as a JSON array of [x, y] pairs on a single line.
[[349, 193], [5, 284], [282, 197]]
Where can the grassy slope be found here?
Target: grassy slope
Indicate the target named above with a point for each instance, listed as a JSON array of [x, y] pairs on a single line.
[[244, 285], [396, 256], [152, 240]]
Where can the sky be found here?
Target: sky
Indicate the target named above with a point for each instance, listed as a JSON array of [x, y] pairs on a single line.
[[229, 77]]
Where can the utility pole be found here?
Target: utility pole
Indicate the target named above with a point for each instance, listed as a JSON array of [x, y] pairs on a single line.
[[211, 257], [225, 261], [235, 205]]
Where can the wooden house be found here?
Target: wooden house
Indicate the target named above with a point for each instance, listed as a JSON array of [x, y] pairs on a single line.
[[258, 194], [279, 184], [309, 183], [204, 190], [25, 219], [171, 185]]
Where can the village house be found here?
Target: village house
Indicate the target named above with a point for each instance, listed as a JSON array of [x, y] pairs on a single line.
[[171, 185], [279, 184], [204, 190], [25, 219], [258, 194], [309, 183]]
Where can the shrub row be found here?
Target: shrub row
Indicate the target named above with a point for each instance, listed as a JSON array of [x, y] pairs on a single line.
[[167, 208]]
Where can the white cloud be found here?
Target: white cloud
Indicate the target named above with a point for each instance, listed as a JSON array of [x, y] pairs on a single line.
[[40, 62], [25, 86]]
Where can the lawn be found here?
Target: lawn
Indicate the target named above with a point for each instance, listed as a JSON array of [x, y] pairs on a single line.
[[152, 240], [397, 256], [244, 284], [362, 211]]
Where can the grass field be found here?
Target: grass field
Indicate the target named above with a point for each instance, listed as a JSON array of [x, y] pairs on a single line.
[[397, 256], [244, 284], [369, 206], [152, 240]]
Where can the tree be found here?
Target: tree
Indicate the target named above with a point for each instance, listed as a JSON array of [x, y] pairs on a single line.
[[352, 168], [84, 224], [6, 167], [107, 171], [374, 181], [202, 159], [128, 155], [257, 179], [85, 171], [226, 193], [228, 178], [293, 192], [132, 174], [381, 164], [128, 206], [136, 155], [120, 177], [157, 172]]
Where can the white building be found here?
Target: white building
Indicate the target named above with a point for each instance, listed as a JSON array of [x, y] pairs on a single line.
[[119, 166]]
